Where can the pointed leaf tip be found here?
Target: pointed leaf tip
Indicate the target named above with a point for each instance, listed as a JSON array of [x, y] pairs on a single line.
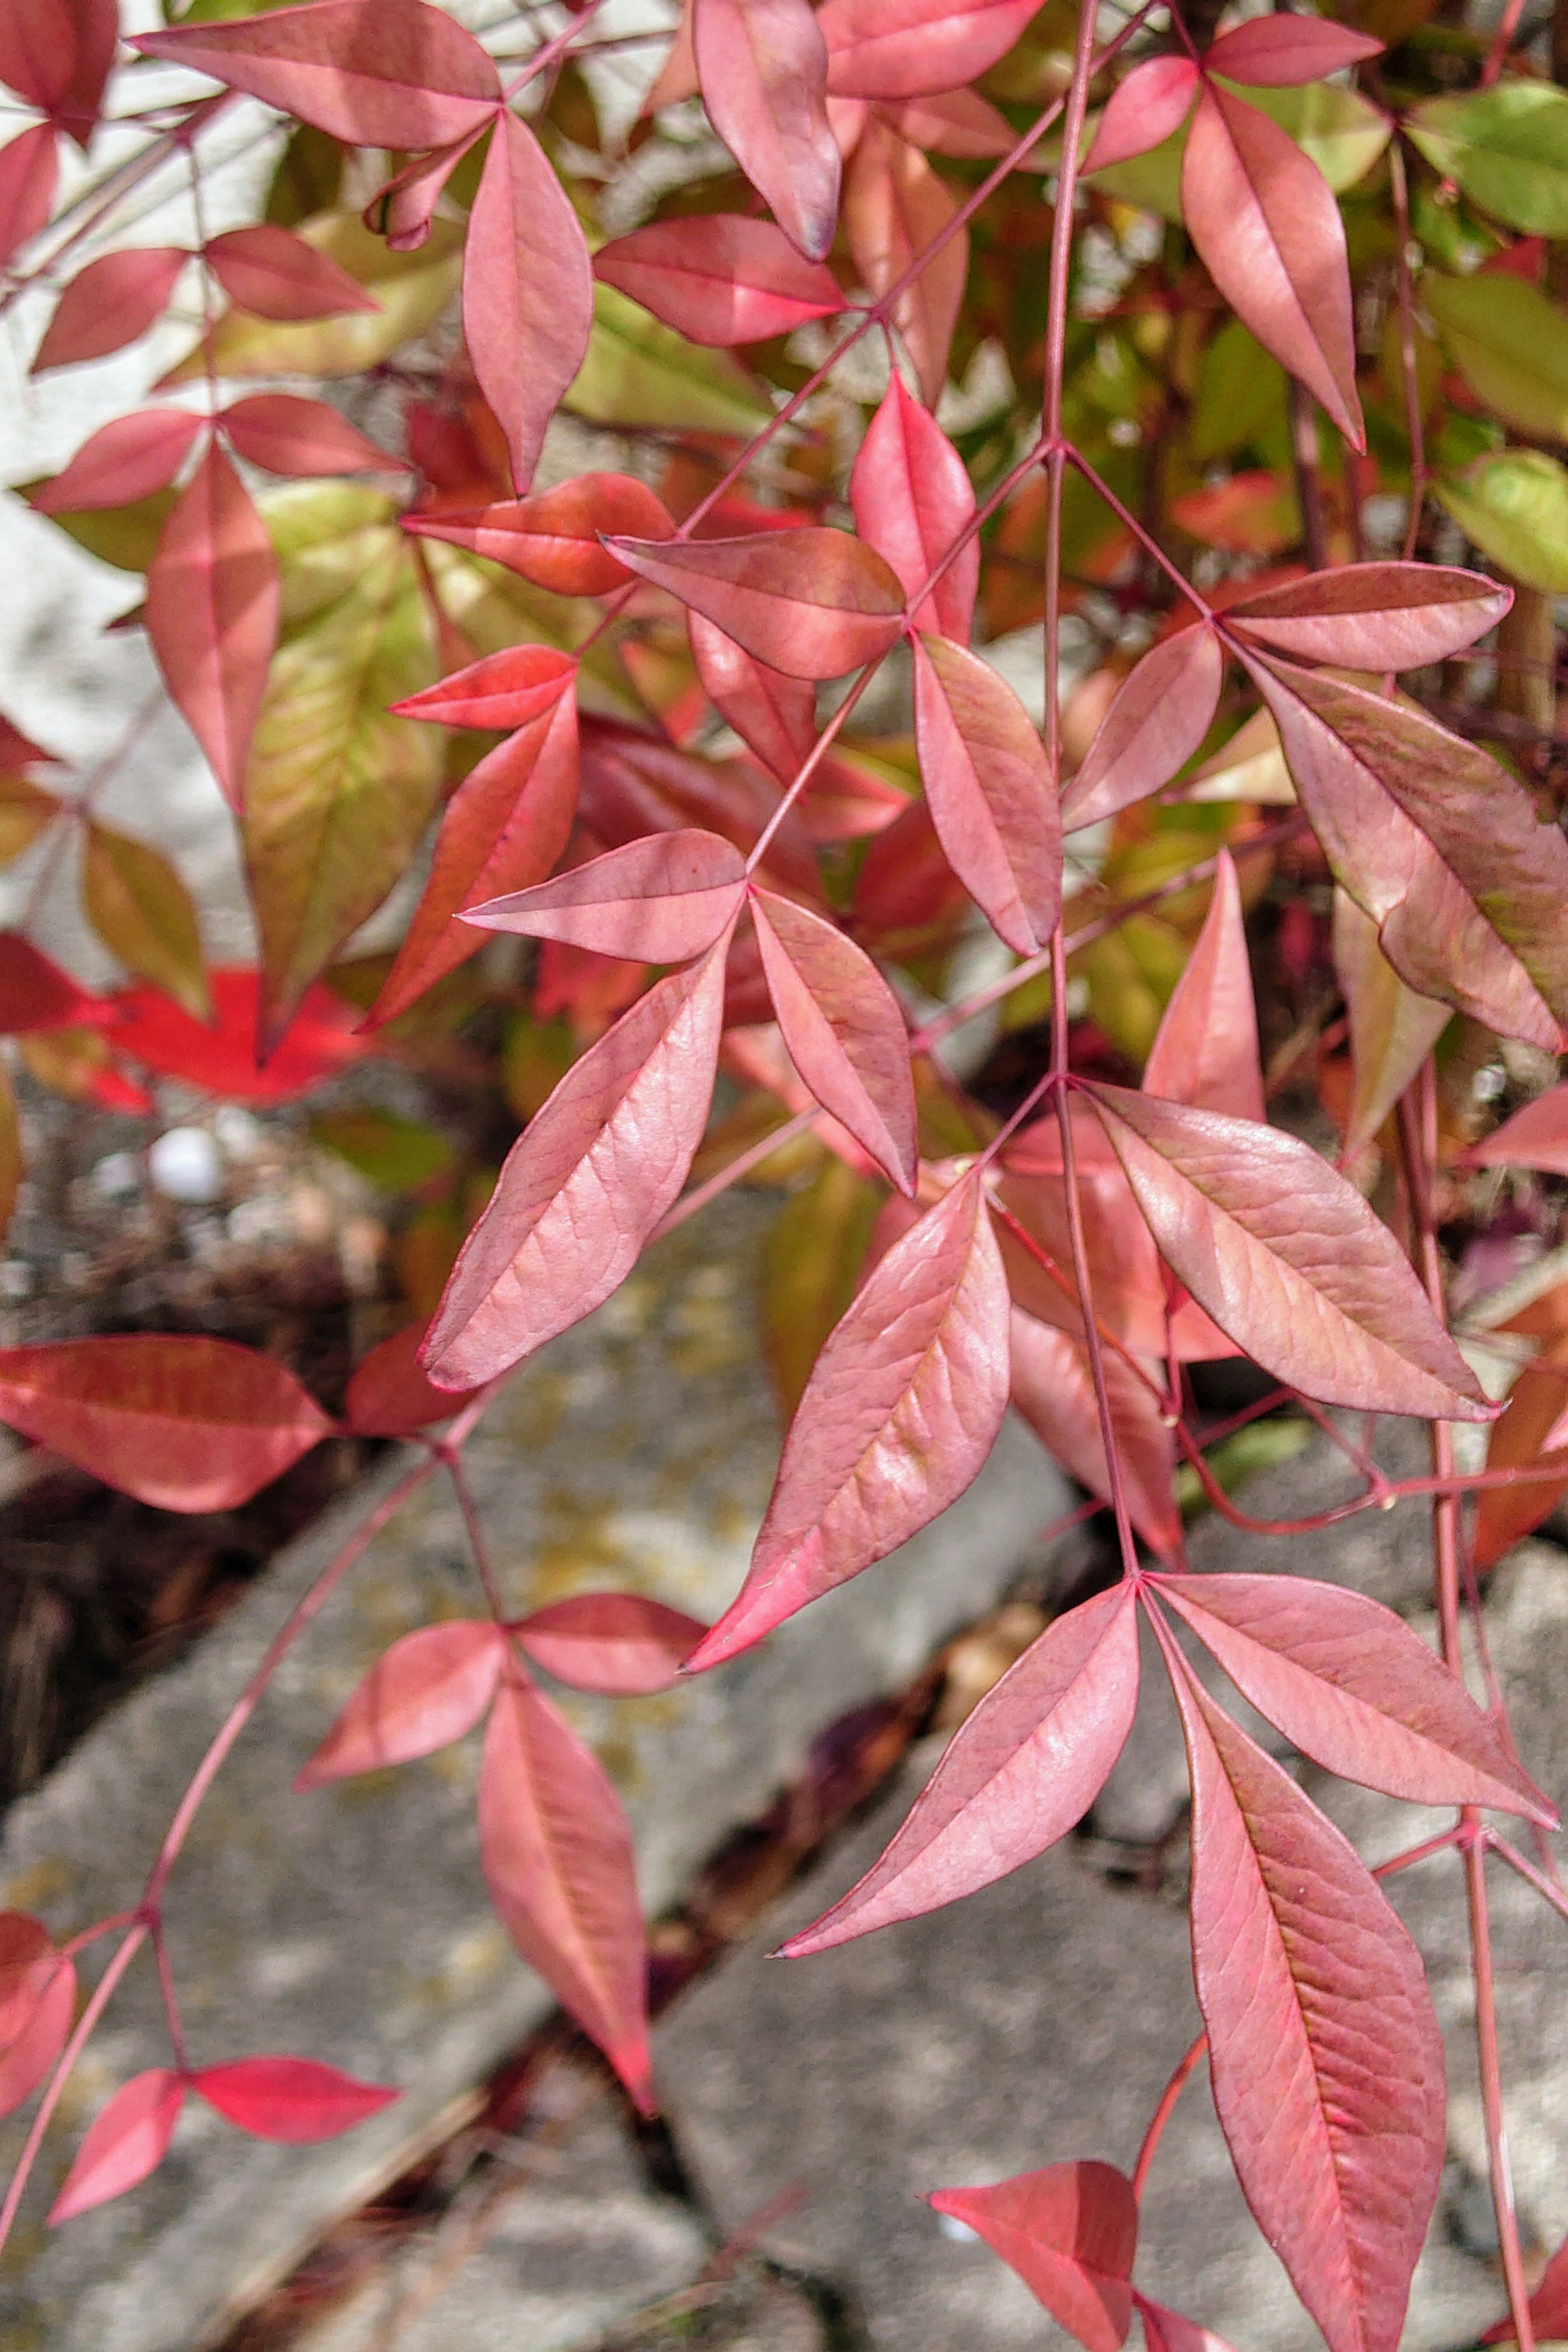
[[1069, 2231], [293, 2099]]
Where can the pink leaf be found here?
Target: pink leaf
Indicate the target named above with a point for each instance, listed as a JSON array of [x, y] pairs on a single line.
[[511, 688], [616, 1643], [288, 435], [403, 209], [528, 290], [1392, 1028], [1153, 100], [909, 49], [186, 1423], [1288, 1259], [126, 2140], [586, 1183], [811, 602], [38, 2004], [212, 614], [773, 715], [57, 55], [989, 788], [274, 274], [1275, 51], [127, 460], [428, 1689], [1535, 1137], [388, 1394], [1372, 615], [763, 68], [895, 208], [553, 539], [294, 2099], [559, 1863], [720, 278], [1161, 713], [911, 496], [949, 123], [845, 1031], [1069, 2232], [110, 303], [29, 172], [1206, 1052], [1019, 1773], [1325, 2057], [1167, 2331], [1268, 229], [1353, 1688], [373, 73], [662, 900], [504, 827], [900, 1413], [1053, 1389]]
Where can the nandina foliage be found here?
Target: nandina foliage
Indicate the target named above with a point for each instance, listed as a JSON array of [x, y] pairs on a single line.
[[1225, 353]]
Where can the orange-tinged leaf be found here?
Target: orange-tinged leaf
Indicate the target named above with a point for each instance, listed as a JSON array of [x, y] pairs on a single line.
[[220, 1058], [762, 65], [1053, 1389], [125, 460], [1529, 1434], [428, 1689], [720, 279], [811, 602], [989, 788], [126, 2140], [911, 496], [1069, 2232], [895, 207], [110, 303], [662, 900], [142, 912], [621, 1644], [1161, 713], [554, 540], [528, 290], [212, 614], [1206, 1051], [186, 1423], [509, 688], [388, 1394]]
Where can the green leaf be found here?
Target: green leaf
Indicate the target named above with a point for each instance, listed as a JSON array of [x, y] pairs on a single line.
[[396, 1155], [1241, 393], [142, 911], [339, 792], [326, 536], [1511, 345], [813, 1257], [1342, 134], [1514, 507], [413, 288], [639, 372], [125, 536], [1507, 148]]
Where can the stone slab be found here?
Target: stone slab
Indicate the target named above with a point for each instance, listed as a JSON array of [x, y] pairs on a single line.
[[352, 1924]]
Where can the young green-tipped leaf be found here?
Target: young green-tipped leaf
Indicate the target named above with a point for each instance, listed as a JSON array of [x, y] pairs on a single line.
[[125, 2141], [1019, 1773], [428, 1689], [1288, 1259], [989, 788], [1161, 713], [619, 1645], [554, 540], [528, 290], [720, 278], [1053, 1389], [911, 496], [1373, 615], [212, 614], [1206, 1051], [811, 602], [763, 68], [1070, 2232]]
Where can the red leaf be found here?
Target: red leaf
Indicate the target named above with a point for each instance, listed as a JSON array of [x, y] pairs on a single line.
[[895, 207], [504, 827], [273, 274], [127, 460], [18, 752], [1275, 51], [126, 2140], [220, 1058], [1287, 1258], [1161, 713], [911, 496], [1535, 1137], [1528, 1433], [292, 435], [720, 278], [35, 993], [811, 602], [633, 785], [1325, 2057], [528, 290], [29, 172], [553, 539], [662, 900], [511, 688], [373, 73], [186, 1423], [388, 1394], [1153, 101], [900, 1413], [774, 716], [1206, 1052], [1437, 844], [762, 65], [429, 1688], [1069, 2232], [1167, 2331], [1268, 229], [616, 1643], [1018, 1773], [294, 2099], [989, 788], [110, 303], [1372, 615], [1053, 1388], [559, 1863], [950, 122], [1353, 1688], [212, 614], [846, 1034], [910, 48], [57, 55], [1548, 2306], [586, 1182], [37, 2003]]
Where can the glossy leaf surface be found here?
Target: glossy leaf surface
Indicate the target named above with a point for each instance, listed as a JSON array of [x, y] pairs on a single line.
[[430, 1688], [620, 1644], [989, 790], [1069, 2232]]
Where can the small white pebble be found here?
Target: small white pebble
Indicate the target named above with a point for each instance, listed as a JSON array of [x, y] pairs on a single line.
[[186, 1165], [952, 2226]]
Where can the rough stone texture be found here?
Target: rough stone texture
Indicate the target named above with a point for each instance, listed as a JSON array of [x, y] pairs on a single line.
[[351, 1924]]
